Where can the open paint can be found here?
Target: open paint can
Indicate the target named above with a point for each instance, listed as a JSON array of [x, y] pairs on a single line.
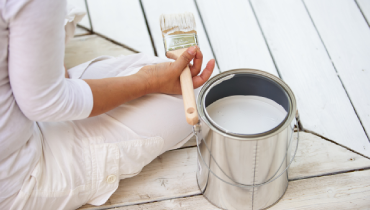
[[244, 139]]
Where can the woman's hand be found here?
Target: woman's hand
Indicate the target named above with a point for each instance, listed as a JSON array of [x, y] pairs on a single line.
[[165, 77], [109, 93]]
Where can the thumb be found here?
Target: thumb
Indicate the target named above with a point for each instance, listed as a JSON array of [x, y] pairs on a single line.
[[184, 59]]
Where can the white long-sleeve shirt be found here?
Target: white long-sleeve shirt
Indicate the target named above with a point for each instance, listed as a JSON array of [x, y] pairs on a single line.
[[32, 84]]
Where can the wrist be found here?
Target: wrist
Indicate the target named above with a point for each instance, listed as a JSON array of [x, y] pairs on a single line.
[[147, 81]]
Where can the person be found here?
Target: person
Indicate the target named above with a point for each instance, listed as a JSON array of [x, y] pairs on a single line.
[[64, 141]]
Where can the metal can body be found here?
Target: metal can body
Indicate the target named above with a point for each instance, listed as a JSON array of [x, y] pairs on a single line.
[[237, 171]]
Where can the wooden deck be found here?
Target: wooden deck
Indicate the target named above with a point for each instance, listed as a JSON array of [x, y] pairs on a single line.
[[321, 48]]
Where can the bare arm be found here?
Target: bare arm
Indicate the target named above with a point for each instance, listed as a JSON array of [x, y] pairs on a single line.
[[109, 93], [66, 75]]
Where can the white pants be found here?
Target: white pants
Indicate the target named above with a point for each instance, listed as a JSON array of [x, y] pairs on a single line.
[[84, 160]]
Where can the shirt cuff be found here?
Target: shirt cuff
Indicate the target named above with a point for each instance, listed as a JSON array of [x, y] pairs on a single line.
[[87, 102]]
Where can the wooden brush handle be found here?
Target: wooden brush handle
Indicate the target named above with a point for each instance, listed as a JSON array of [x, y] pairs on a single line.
[[187, 90]]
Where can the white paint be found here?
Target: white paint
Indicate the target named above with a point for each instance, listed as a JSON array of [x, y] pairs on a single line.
[[305, 66], [235, 36], [183, 22], [346, 36], [246, 114], [122, 21], [365, 8]]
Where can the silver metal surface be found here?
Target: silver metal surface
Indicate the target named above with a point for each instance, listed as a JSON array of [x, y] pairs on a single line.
[[238, 171], [174, 42]]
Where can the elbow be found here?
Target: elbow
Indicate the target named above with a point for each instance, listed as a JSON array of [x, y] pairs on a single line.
[[34, 113]]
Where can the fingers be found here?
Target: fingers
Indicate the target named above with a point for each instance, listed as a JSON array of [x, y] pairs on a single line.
[[197, 63], [206, 74], [184, 59]]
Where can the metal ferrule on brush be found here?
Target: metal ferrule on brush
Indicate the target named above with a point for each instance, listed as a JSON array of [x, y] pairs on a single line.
[[178, 41]]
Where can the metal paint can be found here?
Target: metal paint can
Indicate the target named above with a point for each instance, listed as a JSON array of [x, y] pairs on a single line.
[[244, 171]]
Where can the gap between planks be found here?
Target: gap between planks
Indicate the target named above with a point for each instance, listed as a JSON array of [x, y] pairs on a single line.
[[172, 174], [342, 191], [305, 65]]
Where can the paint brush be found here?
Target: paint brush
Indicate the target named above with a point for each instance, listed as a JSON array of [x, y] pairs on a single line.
[[178, 31]]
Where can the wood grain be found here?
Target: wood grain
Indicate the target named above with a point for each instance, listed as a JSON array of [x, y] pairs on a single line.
[[154, 8], [346, 36], [122, 21], [187, 90], [342, 191], [85, 48], [168, 176], [305, 66], [81, 4], [172, 174], [365, 8], [235, 35]]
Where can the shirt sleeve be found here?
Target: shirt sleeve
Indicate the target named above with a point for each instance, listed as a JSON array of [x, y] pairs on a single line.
[[36, 57]]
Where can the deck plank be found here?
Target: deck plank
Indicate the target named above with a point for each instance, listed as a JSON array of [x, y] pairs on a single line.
[[341, 191], [365, 8], [153, 10], [121, 21], [235, 35], [81, 32], [172, 174], [84, 48], [305, 66], [346, 36], [81, 4]]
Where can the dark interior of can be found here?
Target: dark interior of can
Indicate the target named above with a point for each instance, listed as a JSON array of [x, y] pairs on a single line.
[[249, 84]]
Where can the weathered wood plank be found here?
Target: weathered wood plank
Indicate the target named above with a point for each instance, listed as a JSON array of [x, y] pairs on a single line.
[[235, 35], [317, 157], [304, 64], [346, 36], [85, 48], [81, 4], [153, 10], [341, 191], [121, 21], [168, 176], [365, 8], [172, 174]]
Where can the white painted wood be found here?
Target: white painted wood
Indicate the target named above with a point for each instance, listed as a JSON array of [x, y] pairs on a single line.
[[80, 31], [342, 191], [122, 21], [84, 48], [191, 143], [317, 157], [168, 176], [172, 174], [346, 36], [235, 35], [154, 8], [365, 8], [81, 4], [304, 64]]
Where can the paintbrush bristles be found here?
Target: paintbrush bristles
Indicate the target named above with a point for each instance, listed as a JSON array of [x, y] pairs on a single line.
[[182, 22]]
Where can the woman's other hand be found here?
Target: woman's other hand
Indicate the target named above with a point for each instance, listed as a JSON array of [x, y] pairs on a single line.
[[165, 77]]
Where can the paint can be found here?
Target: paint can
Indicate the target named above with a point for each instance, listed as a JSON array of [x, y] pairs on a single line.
[[244, 171]]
